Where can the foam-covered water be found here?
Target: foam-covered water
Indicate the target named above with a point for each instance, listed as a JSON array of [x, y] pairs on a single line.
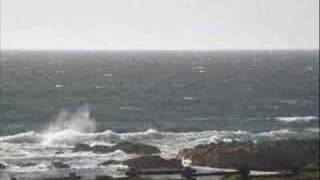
[[39, 149], [297, 119]]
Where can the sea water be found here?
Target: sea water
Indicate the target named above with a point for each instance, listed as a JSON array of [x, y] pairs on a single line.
[[53, 100]]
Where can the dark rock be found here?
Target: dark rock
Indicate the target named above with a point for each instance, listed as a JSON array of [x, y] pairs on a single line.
[[109, 162], [95, 149], [152, 162], [82, 147], [2, 166], [60, 165], [126, 146], [125, 178], [59, 152], [102, 149], [136, 148], [278, 155], [27, 164], [104, 178]]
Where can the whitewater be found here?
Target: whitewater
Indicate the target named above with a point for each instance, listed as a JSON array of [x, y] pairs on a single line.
[[170, 100], [28, 152]]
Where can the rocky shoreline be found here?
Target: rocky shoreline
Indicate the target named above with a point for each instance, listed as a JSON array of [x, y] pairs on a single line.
[[279, 155], [266, 156]]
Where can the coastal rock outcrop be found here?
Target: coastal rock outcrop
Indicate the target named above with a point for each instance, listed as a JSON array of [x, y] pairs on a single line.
[[136, 148], [276, 155], [59, 165]]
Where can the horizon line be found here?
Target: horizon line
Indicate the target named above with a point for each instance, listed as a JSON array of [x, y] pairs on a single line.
[[227, 49]]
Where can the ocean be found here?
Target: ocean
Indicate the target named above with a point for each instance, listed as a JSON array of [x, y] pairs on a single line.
[[52, 100]]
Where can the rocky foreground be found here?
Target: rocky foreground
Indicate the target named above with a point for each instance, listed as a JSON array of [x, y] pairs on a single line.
[[267, 156], [281, 155]]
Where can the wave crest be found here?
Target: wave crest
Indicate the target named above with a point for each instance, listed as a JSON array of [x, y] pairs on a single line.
[[297, 119], [80, 121]]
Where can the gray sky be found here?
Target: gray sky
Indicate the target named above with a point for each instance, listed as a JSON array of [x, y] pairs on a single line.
[[159, 24]]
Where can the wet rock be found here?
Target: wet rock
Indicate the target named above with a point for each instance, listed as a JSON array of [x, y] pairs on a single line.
[[126, 146], [152, 162], [136, 148], [60, 165], [95, 149], [109, 162], [104, 178], [82, 147], [2, 166], [102, 149], [125, 178], [278, 155], [27, 164], [59, 152]]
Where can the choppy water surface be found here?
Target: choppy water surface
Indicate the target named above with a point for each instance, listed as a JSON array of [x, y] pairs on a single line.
[[51, 101]]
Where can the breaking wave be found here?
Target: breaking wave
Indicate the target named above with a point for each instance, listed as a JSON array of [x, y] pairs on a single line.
[[65, 138], [71, 128], [79, 121], [297, 119]]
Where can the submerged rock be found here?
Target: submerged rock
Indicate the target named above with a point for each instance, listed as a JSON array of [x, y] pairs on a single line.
[[2, 166], [126, 146], [136, 148], [95, 149], [277, 155], [60, 165], [102, 149], [26, 164], [59, 152], [109, 162], [152, 162], [82, 147]]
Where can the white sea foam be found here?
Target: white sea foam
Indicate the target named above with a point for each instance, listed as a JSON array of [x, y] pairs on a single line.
[[41, 166], [27, 137], [188, 98], [170, 143], [297, 119], [80, 121], [279, 133], [99, 87], [59, 86], [71, 128]]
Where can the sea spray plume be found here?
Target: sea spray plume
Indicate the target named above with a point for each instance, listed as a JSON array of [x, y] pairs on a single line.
[[70, 127], [79, 121]]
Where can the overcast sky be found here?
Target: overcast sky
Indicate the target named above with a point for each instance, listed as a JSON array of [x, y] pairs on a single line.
[[159, 24]]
